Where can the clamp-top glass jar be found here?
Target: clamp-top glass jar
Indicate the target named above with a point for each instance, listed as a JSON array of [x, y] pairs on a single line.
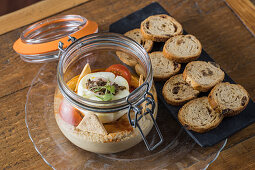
[[105, 126], [105, 101], [39, 42]]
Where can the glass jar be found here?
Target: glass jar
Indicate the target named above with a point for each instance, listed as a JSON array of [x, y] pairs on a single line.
[[112, 126], [39, 42]]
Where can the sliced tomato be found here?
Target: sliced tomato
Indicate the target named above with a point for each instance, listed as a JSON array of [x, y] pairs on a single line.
[[69, 114], [120, 70], [131, 88]]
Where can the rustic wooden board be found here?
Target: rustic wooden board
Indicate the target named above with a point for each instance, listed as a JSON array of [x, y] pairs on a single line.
[[245, 11], [17, 150], [222, 34]]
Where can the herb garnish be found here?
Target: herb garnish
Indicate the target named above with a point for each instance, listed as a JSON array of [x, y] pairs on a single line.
[[108, 91]]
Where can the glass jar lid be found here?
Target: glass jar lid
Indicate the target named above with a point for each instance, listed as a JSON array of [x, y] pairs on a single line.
[[39, 42]]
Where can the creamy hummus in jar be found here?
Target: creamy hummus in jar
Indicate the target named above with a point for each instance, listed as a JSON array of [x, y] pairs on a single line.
[[94, 131]]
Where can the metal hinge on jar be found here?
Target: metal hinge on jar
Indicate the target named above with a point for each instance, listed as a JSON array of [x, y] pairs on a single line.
[[61, 44], [137, 108]]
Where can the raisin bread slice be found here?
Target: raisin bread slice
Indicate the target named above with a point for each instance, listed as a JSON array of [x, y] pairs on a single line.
[[139, 70], [229, 99], [176, 91], [202, 75], [136, 35], [197, 115], [160, 28], [162, 67], [126, 58], [182, 48]]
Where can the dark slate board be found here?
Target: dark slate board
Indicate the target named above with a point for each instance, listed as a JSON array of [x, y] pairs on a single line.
[[228, 126]]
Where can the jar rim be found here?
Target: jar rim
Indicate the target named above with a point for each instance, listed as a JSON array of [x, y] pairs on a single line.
[[105, 106], [31, 35]]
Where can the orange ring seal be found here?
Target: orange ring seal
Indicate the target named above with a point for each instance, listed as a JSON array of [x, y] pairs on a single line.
[[31, 49]]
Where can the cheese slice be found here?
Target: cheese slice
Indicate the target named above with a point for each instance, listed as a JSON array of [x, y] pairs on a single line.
[[106, 76], [91, 123]]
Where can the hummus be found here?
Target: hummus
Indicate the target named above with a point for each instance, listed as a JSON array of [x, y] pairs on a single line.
[[120, 134]]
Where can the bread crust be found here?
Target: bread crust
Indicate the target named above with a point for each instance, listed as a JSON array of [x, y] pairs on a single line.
[[160, 38], [181, 59], [195, 128], [136, 35], [126, 59], [193, 84], [139, 70], [148, 42], [163, 77], [215, 105], [196, 85], [175, 102], [149, 49]]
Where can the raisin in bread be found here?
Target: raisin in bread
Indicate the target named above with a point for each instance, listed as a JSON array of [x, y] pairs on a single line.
[[160, 28], [182, 48], [162, 67], [202, 75], [229, 99], [176, 91], [197, 115]]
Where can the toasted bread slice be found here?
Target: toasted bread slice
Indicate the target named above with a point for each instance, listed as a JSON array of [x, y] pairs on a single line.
[[162, 67], [136, 35], [197, 115], [139, 70], [182, 48], [160, 28], [202, 75], [176, 91], [126, 58], [229, 99]]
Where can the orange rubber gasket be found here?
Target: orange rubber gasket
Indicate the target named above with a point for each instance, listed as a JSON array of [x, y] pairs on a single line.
[[33, 49]]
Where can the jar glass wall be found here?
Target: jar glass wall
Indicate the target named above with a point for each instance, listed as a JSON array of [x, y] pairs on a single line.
[[112, 131]]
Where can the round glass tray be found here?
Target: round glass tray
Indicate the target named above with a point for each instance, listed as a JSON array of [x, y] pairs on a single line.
[[178, 151]]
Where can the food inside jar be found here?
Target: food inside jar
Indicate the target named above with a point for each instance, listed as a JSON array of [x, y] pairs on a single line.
[[103, 86], [101, 132], [112, 83]]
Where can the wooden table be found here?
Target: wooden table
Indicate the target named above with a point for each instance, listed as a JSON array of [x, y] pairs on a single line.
[[216, 25]]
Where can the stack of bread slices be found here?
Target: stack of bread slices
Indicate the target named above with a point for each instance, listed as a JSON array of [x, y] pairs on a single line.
[[198, 114]]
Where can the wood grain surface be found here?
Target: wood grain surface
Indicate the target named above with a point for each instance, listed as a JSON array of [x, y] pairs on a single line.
[[34, 13], [245, 11], [222, 34]]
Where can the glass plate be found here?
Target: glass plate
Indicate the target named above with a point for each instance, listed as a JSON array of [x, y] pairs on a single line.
[[178, 151]]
